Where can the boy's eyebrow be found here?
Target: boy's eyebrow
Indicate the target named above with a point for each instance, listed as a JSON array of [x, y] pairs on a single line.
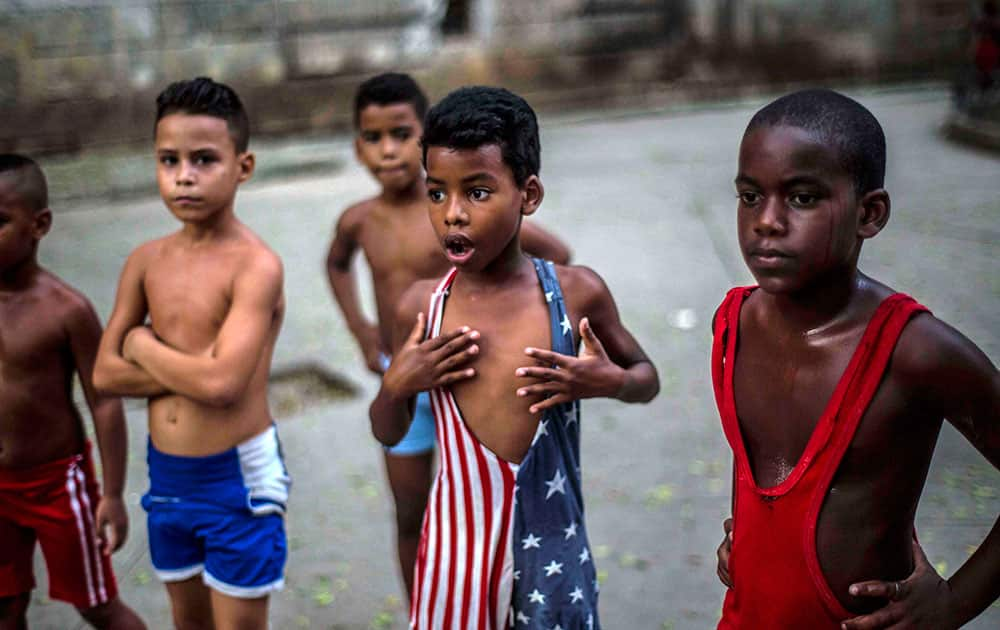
[[468, 179], [746, 179]]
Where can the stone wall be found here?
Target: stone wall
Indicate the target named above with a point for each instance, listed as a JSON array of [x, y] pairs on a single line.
[[77, 73]]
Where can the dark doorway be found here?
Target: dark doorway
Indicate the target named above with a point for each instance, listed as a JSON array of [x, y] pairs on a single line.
[[456, 18]]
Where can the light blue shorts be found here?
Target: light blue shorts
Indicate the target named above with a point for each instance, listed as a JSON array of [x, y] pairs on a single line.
[[221, 516], [421, 437]]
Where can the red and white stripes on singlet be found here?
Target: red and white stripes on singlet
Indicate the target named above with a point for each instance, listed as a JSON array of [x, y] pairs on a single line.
[[464, 571]]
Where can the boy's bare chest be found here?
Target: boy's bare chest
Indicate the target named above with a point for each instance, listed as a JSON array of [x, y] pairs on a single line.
[[489, 403], [31, 338], [781, 391], [189, 299], [401, 250]]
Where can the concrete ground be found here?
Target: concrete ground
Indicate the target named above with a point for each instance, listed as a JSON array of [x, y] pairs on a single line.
[[645, 198]]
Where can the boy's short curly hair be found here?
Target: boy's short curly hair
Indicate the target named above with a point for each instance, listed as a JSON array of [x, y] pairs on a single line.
[[202, 95], [29, 181], [471, 117], [839, 122], [390, 88]]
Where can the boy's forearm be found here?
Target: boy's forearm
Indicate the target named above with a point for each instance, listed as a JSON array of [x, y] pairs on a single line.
[[641, 383], [117, 377], [199, 378], [390, 417], [112, 441], [976, 584]]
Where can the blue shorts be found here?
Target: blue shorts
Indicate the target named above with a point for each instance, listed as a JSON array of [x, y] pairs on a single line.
[[420, 438], [221, 516]]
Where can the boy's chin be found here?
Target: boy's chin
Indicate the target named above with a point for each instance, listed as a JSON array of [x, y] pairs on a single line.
[[394, 183]]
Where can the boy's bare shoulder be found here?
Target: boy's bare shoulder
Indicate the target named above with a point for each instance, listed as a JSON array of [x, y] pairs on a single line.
[[582, 287], [58, 297], [355, 215], [932, 354], [259, 259], [416, 299]]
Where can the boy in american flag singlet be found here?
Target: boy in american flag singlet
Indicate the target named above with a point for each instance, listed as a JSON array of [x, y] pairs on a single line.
[[503, 541]]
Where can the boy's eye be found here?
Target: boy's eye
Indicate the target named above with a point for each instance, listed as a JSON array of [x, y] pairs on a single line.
[[370, 136], [168, 160], [204, 159], [436, 196], [749, 197], [401, 134], [803, 200], [479, 194]]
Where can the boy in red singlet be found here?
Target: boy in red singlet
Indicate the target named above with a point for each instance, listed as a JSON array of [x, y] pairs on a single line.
[[48, 491], [832, 388]]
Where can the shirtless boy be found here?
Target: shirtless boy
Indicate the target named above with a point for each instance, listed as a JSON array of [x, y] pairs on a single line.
[[493, 342], [48, 493], [398, 241], [832, 389], [213, 295]]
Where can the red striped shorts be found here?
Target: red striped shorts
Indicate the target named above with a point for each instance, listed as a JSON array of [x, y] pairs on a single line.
[[54, 503]]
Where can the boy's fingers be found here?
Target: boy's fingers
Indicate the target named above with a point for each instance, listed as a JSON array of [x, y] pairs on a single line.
[[444, 338], [589, 337], [727, 525], [541, 388], [877, 588], [558, 399], [417, 333], [543, 373], [882, 618], [455, 345], [455, 360], [548, 356], [453, 377]]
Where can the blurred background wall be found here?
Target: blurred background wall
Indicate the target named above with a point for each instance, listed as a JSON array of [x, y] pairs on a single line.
[[77, 73]]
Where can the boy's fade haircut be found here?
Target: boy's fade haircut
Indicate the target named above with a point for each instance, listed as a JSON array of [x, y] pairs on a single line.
[[203, 96], [29, 180], [838, 121], [390, 88], [471, 117]]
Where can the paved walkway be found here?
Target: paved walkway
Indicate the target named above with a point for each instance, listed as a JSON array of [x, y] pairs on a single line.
[[646, 199]]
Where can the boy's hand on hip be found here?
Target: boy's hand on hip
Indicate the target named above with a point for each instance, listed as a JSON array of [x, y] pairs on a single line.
[[725, 548], [112, 523], [590, 375], [923, 600], [371, 346], [420, 366]]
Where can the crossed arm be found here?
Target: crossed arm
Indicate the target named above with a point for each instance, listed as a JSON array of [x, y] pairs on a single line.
[[140, 364]]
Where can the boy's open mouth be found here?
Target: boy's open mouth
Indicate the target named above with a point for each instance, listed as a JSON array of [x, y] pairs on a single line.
[[458, 247]]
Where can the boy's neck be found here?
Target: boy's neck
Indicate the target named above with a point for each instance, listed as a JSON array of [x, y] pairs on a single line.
[[820, 307], [502, 270], [20, 276], [416, 191], [216, 227]]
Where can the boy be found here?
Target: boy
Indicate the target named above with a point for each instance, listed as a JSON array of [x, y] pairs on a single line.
[[832, 389], [397, 239], [213, 294], [503, 538], [48, 491]]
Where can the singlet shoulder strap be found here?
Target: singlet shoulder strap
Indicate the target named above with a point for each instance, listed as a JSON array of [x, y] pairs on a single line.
[[725, 326], [435, 310], [868, 365], [562, 328]]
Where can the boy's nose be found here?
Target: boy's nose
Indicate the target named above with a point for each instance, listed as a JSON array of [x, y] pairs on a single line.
[[389, 147], [185, 173], [771, 218], [455, 213]]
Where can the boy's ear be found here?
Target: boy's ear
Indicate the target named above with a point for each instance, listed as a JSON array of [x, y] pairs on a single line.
[[42, 223], [874, 207], [532, 194], [248, 161]]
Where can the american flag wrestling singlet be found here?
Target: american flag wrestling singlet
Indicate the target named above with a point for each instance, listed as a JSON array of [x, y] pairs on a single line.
[[504, 545]]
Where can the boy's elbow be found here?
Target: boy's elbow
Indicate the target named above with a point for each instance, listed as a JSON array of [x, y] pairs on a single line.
[[223, 392], [103, 379]]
